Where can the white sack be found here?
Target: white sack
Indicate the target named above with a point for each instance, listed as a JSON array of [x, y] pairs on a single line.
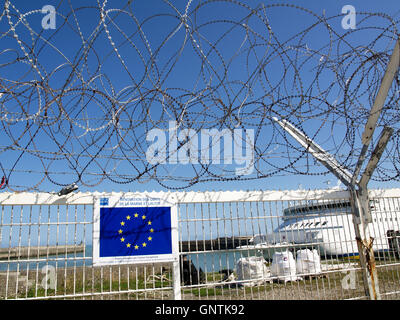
[[308, 262], [252, 268], [283, 266]]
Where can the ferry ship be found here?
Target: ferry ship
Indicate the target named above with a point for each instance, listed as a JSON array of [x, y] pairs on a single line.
[[327, 227]]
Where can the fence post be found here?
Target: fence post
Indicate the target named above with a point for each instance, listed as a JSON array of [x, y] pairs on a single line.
[[176, 279], [176, 274], [358, 188], [358, 198], [361, 218]]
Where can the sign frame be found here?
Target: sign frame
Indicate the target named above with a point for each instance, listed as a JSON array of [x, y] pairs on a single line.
[[134, 201]]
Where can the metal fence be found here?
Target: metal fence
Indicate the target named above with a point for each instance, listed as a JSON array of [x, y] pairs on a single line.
[[232, 245]]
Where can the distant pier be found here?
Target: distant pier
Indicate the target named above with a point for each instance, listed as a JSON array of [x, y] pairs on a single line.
[[15, 253], [222, 243]]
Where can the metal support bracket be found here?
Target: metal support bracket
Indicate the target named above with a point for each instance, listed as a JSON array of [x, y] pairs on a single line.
[[317, 152], [362, 209], [376, 155]]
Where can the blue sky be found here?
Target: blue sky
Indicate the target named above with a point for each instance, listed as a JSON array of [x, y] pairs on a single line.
[[177, 72], [180, 74]]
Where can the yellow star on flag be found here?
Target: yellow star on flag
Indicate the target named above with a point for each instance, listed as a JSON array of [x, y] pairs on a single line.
[[128, 245], [151, 230], [128, 217], [144, 244], [119, 231], [149, 238], [122, 239], [122, 223], [149, 223], [136, 215], [143, 217], [136, 247]]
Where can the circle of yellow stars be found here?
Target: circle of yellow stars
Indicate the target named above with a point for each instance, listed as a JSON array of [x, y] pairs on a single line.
[[136, 246]]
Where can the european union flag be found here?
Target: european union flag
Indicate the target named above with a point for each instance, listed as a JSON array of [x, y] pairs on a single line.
[[104, 201], [131, 231]]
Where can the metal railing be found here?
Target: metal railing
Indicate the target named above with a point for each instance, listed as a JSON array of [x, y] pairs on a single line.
[[227, 248]]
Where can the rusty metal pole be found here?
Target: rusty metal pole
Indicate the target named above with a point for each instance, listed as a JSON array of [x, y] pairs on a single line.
[[362, 218], [358, 188], [358, 198], [360, 206]]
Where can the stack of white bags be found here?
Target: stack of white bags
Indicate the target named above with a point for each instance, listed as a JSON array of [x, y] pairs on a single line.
[[283, 267]]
